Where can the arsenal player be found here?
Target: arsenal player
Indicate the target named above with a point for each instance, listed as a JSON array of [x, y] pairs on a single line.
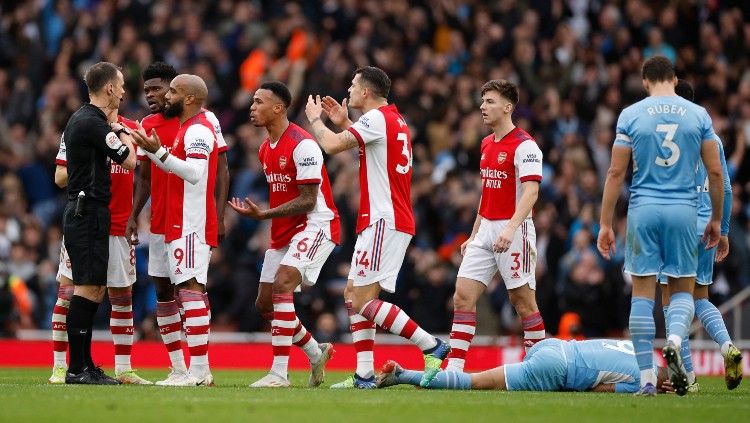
[[191, 227], [503, 238], [385, 224], [305, 229]]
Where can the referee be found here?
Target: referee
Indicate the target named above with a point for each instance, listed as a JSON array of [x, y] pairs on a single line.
[[92, 138]]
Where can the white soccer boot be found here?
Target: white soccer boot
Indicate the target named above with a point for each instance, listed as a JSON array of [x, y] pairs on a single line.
[[271, 380], [318, 370]]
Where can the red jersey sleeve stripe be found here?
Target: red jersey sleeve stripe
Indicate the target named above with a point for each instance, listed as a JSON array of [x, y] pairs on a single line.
[[537, 178], [61, 162], [356, 134], [223, 149], [197, 156], [307, 181]]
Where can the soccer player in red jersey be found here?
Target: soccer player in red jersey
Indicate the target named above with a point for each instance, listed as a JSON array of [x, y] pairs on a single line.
[[385, 224], [305, 228], [120, 275], [191, 226], [153, 181], [503, 237]]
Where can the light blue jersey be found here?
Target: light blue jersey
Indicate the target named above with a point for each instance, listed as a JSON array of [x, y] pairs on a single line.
[[665, 134], [704, 198], [602, 361], [556, 365]]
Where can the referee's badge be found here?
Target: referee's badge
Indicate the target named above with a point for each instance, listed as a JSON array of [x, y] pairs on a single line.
[[113, 141], [501, 157]]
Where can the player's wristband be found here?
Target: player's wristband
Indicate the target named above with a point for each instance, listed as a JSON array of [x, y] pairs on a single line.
[[122, 130], [160, 152]]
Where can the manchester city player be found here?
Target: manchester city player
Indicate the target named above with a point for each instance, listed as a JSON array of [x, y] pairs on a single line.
[[601, 365], [666, 136], [706, 312]]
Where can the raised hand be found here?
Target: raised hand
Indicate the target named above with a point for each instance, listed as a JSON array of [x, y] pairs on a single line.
[[338, 113], [148, 143], [313, 108], [246, 208]]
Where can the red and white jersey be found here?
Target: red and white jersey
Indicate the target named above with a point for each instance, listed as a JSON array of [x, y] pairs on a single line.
[[167, 129], [121, 203], [192, 208], [504, 165], [295, 159], [384, 169]]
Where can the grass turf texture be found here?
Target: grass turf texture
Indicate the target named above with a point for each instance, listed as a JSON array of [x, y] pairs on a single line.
[[27, 397]]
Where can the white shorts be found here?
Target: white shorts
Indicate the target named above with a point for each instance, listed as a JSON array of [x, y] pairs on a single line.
[[517, 266], [378, 255], [307, 252], [120, 267], [188, 258], [158, 256]]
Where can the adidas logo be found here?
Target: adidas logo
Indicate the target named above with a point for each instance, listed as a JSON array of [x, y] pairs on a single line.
[[515, 275], [296, 255], [361, 274], [178, 272]]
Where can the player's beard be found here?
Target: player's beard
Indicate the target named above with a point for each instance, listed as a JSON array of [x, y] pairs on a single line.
[[172, 110]]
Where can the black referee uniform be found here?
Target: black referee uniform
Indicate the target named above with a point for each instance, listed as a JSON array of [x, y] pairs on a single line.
[[90, 144]]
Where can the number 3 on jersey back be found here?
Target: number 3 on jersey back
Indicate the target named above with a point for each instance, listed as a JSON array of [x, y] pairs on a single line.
[[670, 130], [404, 169]]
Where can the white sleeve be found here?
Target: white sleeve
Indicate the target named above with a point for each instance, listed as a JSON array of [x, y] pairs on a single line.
[[221, 144], [528, 161], [308, 159], [370, 127], [61, 159], [190, 170], [199, 142]]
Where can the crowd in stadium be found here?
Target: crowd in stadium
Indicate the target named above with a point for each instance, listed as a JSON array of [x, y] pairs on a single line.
[[577, 64]]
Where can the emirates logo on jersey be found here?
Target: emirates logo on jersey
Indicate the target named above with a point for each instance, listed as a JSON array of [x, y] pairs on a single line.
[[282, 162], [502, 156]]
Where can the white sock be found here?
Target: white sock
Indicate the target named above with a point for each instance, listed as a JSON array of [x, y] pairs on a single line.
[[648, 376], [725, 348], [676, 340], [691, 377]]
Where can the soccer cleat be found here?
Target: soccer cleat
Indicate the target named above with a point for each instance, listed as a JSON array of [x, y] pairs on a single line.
[[694, 387], [388, 374], [129, 377], [647, 390], [90, 376], [175, 378], [733, 367], [271, 380], [677, 373], [433, 361], [318, 370], [355, 381], [58, 375], [205, 380]]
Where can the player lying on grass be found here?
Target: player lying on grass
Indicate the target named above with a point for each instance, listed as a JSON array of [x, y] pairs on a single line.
[[602, 365]]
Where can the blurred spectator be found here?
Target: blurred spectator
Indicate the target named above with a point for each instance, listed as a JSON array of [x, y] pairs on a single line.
[[577, 63]]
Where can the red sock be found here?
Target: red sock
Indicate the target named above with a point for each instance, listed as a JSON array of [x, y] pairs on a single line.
[[363, 337], [121, 326], [59, 326], [533, 330], [462, 332]]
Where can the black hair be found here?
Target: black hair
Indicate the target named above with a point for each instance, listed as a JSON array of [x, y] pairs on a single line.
[[685, 90], [658, 69], [99, 75], [375, 79], [161, 70], [280, 90]]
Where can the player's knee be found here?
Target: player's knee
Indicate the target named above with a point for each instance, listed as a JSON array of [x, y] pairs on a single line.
[[524, 303], [349, 292], [164, 291], [358, 302], [286, 280], [462, 302]]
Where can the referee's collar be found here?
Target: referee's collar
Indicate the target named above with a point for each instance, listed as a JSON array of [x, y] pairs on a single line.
[[101, 112]]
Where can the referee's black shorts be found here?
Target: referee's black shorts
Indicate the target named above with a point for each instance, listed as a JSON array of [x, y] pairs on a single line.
[[87, 242]]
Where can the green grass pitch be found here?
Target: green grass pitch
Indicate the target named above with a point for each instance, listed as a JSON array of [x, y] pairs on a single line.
[[26, 397]]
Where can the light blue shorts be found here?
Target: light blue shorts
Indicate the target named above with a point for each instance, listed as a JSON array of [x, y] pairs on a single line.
[[706, 259], [543, 369], [661, 239]]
